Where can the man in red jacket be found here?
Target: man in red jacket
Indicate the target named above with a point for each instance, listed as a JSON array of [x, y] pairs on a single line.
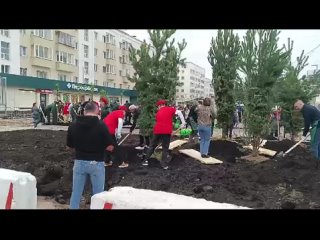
[[114, 122], [162, 131]]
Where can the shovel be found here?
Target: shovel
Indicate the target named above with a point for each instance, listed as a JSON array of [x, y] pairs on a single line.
[[124, 139], [45, 119], [282, 154]]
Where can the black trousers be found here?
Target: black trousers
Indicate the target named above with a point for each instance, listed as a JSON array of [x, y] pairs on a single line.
[[142, 138], [115, 155], [165, 140]]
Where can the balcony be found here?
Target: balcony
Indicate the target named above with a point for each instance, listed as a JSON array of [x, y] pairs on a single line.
[[41, 62], [65, 67]]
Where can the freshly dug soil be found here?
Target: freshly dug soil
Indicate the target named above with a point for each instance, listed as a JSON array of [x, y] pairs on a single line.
[[289, 182]]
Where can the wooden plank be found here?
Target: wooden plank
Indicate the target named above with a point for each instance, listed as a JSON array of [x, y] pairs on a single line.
[[175, 144], [263, 151], [196, 155]]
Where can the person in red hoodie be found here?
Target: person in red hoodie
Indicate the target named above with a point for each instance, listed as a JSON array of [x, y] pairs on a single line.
[[162, 131], [66, 112], [114, 122]]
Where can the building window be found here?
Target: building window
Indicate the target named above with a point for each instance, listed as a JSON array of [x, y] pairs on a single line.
[[182, 71], [95, 35], [120, 86], [67, 39], [5, 50], [114, 85], [95, 67], [111, 69], [177, 90], [23, 71], [23, 51], [22, 31], [105, 83], [86, 80], [42, 52], [86, 67], [76, 62], [5, 69], [43, 33], [104, 69], [182, 90], [128, 72], [120, 73], [110, 54], [104, 55], [62, 77], [86, 35], [4, 32], [95, 52], [41, 74], [66, 58], [182, 78], [86, 51], [109, 39], [75, 79], [95, 82]]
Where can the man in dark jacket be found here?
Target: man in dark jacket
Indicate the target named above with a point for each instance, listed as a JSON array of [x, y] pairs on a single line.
[[311, 116], [90, 138]]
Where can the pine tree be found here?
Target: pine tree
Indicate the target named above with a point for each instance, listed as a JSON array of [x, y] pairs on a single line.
[[223, 57], [156, 68], [292, 87], [262, 62]]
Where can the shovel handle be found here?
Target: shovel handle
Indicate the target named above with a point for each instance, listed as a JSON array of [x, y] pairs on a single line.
[[124, 139], [294, 146]]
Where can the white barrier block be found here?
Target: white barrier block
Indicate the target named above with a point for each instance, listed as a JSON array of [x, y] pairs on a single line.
[[24, 189], [131, 198]]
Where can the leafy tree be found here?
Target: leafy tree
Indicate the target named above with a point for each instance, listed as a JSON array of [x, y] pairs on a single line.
[[156, 68], [224, 59], [262, 62], [291, 87]]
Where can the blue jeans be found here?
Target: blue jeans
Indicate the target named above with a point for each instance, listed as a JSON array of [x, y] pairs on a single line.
[[315, 146], [205, 134], [81, 170]]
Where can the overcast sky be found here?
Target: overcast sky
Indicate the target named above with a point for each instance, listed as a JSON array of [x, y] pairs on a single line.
[[198, 44]]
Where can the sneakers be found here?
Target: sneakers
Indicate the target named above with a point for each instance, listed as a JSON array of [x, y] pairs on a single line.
[[124, 165], [109, 164], [145, 163], [204, 156], [140, 155], [139, 147]]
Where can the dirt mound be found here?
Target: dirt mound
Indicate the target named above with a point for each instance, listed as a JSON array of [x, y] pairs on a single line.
[[222, 149], [283, 145], [289, 182]]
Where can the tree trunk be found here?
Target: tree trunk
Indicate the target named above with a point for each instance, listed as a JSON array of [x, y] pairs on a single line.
[[255, 146], [293, 136], [224, 131]]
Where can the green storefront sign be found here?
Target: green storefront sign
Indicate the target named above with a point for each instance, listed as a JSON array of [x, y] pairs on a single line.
[[81, 87], [43, 83]]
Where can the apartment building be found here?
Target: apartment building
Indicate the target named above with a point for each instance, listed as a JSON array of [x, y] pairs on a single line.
[[192, 80], [208, 88], [10, 58], [75, 59], [112, 67], [49, 54]]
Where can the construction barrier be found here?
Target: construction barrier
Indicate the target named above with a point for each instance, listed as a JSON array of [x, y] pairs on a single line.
[[131, 198], [17, 190]]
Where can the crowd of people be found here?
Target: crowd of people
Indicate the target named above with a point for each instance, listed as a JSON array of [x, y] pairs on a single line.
[[96, 130]]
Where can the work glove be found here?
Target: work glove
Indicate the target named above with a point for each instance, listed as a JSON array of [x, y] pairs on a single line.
[[118, 136]]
